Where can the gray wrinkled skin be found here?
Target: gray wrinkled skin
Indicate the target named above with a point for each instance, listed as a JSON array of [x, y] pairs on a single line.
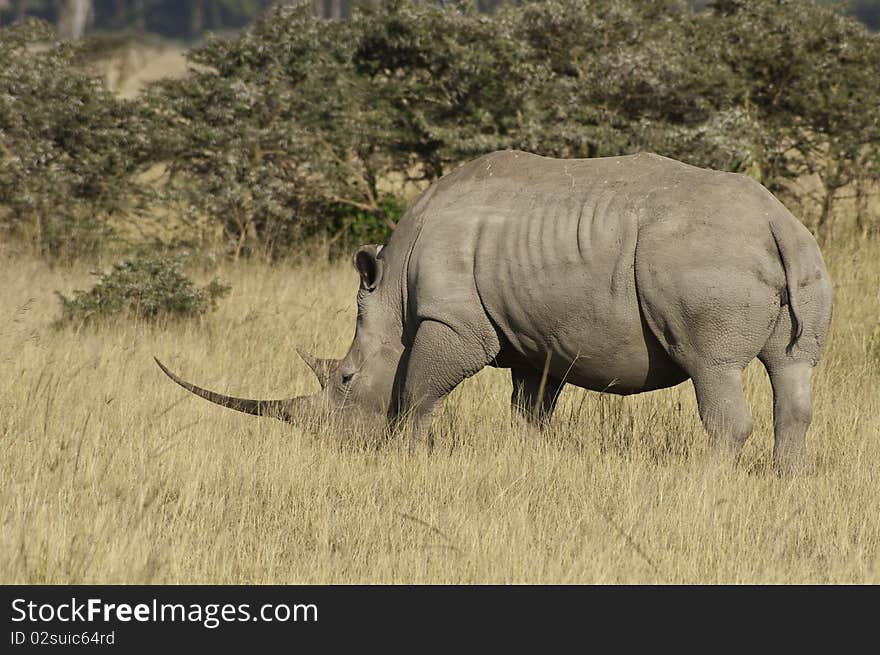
[[619, 274]]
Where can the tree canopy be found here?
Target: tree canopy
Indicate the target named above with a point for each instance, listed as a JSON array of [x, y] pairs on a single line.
[[299, 126], [191, 18]]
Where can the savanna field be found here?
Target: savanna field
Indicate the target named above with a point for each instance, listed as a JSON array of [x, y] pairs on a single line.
[[246, 150], [112, 474]]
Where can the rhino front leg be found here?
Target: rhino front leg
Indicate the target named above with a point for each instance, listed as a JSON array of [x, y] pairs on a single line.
[[440, 359], [534, 397]]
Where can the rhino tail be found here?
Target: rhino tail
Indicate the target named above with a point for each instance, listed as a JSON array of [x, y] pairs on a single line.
[[791, 253]]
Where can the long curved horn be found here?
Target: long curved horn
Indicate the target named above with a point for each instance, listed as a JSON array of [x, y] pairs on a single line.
[[280, 409], [322, 367]]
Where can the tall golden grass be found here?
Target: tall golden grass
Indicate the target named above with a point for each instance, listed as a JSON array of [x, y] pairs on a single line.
[[112, 474]]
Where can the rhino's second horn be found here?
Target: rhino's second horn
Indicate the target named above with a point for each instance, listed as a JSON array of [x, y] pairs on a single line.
[[323, 368]]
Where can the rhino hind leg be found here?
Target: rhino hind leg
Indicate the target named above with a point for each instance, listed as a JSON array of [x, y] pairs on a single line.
[[792, 414], [712, 318], [790, 367], [531, 402]]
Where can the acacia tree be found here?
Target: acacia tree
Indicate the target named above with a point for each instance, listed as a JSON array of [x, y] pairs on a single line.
[[68, 148], [300, 125], [618, 77], [294, 123], [808, 76], [289, 127], [242, 136]]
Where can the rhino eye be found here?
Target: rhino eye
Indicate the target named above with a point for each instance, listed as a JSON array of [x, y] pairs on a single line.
[[346, 377]]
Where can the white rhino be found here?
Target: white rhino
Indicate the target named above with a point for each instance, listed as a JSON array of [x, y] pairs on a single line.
[[618, 274]]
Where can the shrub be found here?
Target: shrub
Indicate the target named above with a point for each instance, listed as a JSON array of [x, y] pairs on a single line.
[[149, 288], [69, 149], [352, 227], [807, 77], [299, 127], [293, 124]]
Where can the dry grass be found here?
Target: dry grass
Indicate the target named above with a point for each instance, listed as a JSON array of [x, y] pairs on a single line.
[[112, 474]]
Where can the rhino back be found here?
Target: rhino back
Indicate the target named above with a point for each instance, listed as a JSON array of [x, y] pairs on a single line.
[[546, 249]]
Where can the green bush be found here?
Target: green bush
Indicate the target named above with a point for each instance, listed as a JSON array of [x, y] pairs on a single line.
[[299, 127], [69, 149], [349, 228], [296, 122], [288, 130], [148, 288]]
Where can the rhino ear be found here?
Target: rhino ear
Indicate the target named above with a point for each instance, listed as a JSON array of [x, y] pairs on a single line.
[[368, 264]]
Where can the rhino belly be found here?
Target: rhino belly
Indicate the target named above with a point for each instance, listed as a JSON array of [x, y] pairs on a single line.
[[595, 334], [619, 366], [624, 362]]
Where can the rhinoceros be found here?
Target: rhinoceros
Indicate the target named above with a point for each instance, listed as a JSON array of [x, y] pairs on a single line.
[[616, 274]]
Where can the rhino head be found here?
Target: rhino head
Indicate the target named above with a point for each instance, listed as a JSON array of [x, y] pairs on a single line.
[[358, 390]]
